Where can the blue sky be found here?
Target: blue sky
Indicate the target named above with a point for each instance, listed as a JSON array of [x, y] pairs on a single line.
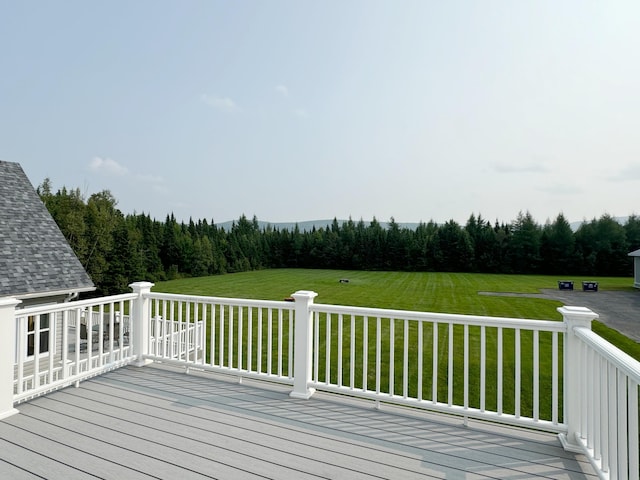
[[303, 110]]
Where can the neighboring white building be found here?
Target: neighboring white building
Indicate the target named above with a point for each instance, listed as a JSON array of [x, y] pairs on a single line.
[[636, 268]]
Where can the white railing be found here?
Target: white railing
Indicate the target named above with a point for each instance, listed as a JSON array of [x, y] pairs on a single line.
[[245, 337], [554, 376], [497, 369], [176, 340], [608, 409], [57, 345]]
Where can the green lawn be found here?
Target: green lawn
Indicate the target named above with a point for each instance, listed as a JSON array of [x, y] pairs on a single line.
[[428, 292], [431, 292]]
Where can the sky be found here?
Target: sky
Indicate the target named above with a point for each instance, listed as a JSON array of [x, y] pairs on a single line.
[[306, 110]]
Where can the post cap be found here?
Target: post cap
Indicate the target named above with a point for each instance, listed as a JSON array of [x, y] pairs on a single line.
[[577, 313], [138, 286], [300, 294]]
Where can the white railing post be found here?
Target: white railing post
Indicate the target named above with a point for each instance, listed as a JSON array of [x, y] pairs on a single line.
[[302, 349], [139, 322], [8, 343], [574, 317]]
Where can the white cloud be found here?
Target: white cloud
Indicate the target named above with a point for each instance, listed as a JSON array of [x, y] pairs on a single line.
[[224, 104], [160, 188], [631, 173], [148, 178], [301, 113], [513, 168], [107, 166], [282, 90], [156, 182], [561, 189]]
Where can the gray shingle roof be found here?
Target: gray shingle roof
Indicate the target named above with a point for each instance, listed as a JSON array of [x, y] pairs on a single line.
[[35, 258]]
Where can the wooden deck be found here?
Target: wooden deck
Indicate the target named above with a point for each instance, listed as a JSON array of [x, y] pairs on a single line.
[[159, 423]]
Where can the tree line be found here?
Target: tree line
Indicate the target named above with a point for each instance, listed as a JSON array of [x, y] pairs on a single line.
[[118, 249]]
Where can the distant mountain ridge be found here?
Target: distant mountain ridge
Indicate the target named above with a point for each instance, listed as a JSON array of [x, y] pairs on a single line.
[[309, 225]]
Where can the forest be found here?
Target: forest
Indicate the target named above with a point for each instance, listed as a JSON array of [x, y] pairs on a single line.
[[118, 249]]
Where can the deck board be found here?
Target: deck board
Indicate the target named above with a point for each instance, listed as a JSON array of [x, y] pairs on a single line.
[[155, 422]]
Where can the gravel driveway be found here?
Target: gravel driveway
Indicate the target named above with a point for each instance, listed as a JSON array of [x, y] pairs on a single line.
[[619, 310]]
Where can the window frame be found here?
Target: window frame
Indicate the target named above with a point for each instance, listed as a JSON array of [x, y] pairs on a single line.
[[28, 336]]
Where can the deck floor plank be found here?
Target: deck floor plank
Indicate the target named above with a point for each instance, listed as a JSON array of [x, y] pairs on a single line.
[[156, 422], [11, 457], [416, 456], [199, 424], [49, 458], [197, 442], [376, 425]]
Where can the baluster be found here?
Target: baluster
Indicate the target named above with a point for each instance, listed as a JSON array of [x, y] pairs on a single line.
[[279, 342], [450, 367], [259, 339], [555, 379], [632, 435], [240, 335], [365, 352], [500, 373], [340, 319], [230, 337], [392, 342], [327, 366], [483, 368], [221, 338], [466, 365], [269, 339], [316, 346], [434, 360], [420, 358], [291, 354], [212, 335], [378, 341], [405, 361], [536, 375], [249, 338], [352, 352], [518, 379]]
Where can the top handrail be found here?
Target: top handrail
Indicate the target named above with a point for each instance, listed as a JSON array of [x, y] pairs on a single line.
[[530, 324], [243, 302], [623, 362], [61, 307]]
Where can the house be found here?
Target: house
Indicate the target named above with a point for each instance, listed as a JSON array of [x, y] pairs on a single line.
[[636, 267], [38, 266]]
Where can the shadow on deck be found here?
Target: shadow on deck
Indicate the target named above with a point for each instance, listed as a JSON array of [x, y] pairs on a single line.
[[156, 422]]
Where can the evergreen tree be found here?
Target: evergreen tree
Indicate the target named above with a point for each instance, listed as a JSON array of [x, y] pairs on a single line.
[[101, 219], [453, 251], [632, 232], [558, 247], [486, 257], [118, 250], [524, 249]]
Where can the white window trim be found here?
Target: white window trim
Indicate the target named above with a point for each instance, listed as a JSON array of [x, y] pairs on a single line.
[[52, 334]]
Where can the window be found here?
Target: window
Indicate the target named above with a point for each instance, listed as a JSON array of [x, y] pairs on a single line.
[[38, 324]]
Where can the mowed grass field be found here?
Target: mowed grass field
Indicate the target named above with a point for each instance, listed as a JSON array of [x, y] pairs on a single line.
[[421, 291], [429, 292]]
